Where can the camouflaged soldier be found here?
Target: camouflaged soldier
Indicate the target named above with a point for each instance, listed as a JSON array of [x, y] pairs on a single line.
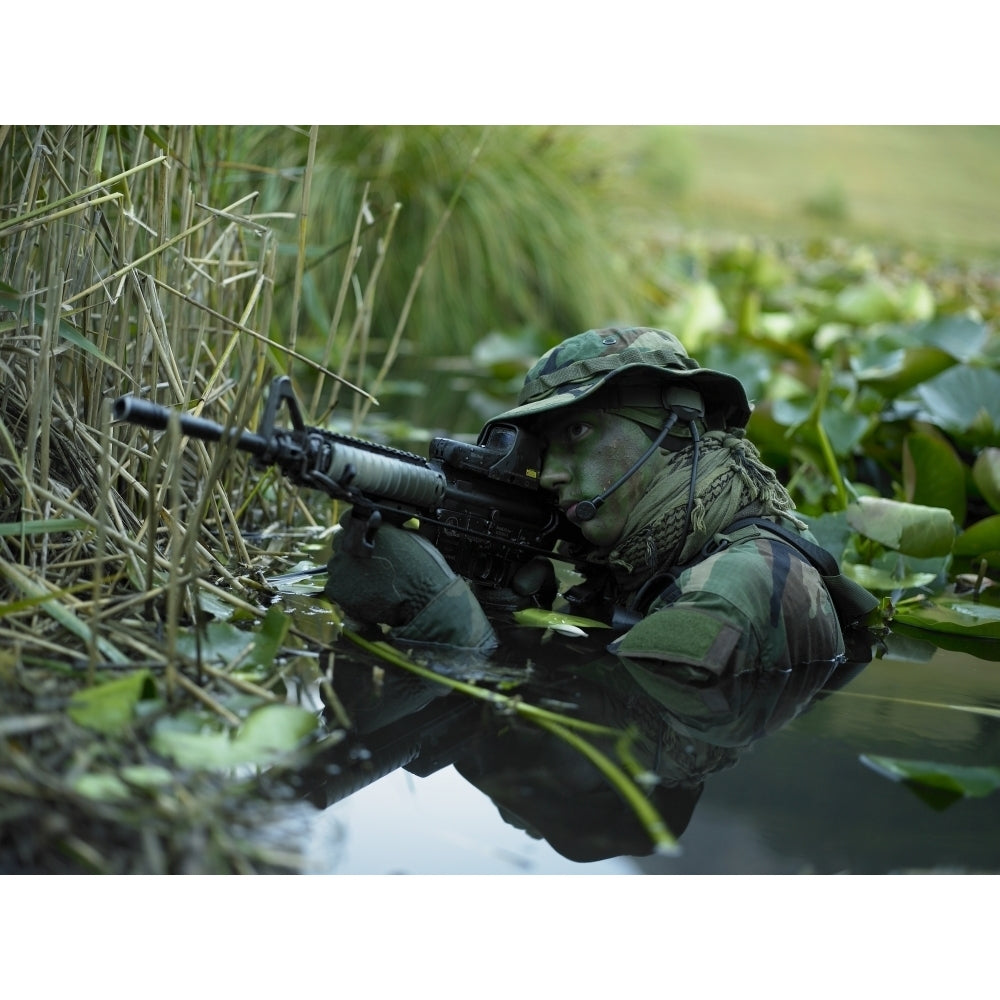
[[690, 547]]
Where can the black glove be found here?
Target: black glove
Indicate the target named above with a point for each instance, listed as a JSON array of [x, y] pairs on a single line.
[[396, 577]]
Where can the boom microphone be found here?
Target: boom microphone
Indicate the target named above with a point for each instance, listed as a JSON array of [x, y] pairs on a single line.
[[587, 509], [681, 402]]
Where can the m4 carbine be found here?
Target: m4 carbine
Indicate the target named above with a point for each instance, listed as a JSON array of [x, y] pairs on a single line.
[[480, 504]]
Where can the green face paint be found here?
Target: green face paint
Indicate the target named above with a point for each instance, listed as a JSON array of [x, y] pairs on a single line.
[[586, 451]]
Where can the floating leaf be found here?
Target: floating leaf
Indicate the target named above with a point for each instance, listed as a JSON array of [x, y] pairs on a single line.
[[981, 540], [565, 624], [952, 614], [982, 649], [107, 787], [108, 708], [914, 530], [933, 474], [965, 402], [937, 784], [268, 733], [960, 336], [986, 476], [880, 579], [901, 370], [269, 637], [870, 301], [220, 643]]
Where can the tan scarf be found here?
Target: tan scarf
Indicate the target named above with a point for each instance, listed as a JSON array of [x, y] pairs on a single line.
[[730, 478]]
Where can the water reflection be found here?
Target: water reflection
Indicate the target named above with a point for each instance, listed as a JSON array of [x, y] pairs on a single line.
[[681, 734]]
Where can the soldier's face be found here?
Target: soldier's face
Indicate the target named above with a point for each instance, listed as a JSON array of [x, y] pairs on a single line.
[[586, 451]]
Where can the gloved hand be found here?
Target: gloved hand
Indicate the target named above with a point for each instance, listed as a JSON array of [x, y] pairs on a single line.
[[404, 582]]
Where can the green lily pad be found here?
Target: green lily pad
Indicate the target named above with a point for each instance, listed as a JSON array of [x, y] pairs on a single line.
[[965, 402], [986, 476], [870, 301], [937, 784], [981, 540], [108, 708], [960, 336], [933, 474], [268, 733], [107, 787], [913, 529], [884, 580], [952, 614], [572, 625], [900, 370]]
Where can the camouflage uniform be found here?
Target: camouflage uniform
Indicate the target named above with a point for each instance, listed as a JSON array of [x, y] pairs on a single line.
[[735, 600]]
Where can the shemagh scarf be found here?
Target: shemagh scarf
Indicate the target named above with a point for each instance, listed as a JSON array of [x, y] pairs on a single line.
[[731, 478]]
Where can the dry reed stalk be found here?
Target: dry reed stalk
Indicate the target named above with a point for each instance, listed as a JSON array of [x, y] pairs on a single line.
[[126, 279], [119, 271]]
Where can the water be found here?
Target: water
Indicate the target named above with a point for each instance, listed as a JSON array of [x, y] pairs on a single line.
[[783, 787]]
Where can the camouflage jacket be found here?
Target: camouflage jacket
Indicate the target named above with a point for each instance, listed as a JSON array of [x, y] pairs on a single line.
[[755, 604]]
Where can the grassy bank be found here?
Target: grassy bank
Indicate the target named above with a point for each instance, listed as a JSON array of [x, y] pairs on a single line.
[[933, 186]]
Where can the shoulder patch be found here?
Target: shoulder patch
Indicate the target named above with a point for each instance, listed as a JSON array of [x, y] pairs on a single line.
[[687, 636]]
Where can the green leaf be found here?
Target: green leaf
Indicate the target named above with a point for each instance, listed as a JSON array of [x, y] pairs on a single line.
[[986, 476], [981, 541], [952, 614], [567, 624], [49, 526], [914, 530], [965, 402], [937, 784], [269, 637], [901, 370], [221, 643], [11, 299], [106, 787], [883, 580], [268, 733], [960, 336], [871, 301], [108, 708], [933, 474]]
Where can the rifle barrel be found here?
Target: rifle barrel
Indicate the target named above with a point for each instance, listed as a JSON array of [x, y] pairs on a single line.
[[156, 417]]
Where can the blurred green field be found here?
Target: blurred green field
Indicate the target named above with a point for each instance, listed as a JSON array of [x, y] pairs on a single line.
[[935, 187]]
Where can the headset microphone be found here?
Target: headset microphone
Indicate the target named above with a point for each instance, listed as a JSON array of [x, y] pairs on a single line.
[[681, 402], [587, 509]]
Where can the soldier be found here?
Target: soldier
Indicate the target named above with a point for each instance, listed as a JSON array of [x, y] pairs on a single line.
[[689, 544]]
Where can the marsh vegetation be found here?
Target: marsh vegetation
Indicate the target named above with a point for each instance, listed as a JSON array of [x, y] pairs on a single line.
[[153, 695]]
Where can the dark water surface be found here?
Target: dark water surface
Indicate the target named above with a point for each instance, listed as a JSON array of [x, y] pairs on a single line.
[[761, 777]]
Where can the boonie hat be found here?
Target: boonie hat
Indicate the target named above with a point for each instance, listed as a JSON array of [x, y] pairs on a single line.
[[647, 358]]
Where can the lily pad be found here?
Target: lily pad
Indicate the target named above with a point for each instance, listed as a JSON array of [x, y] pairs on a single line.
[[933, 474], [268, 733], [965, 402], [108, 708], [571, 625], [883, 580], [937, 784], [913, 529], [986, 476], [981, 541], [952, 614]]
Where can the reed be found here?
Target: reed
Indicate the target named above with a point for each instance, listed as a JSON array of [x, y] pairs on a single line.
[[118, 276]]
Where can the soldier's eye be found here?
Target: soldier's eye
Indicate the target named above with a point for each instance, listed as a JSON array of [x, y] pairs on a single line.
[[577, 430]]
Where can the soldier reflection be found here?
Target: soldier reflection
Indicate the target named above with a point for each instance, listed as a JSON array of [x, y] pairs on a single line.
[[684, 729]]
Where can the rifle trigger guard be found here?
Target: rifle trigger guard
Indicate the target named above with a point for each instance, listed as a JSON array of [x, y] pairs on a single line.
[[359, 533]]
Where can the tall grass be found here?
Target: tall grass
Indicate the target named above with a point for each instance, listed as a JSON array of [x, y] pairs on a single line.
[[118, 276], [539, 237]]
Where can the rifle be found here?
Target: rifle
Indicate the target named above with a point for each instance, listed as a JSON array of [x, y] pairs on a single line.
[[480, 504]]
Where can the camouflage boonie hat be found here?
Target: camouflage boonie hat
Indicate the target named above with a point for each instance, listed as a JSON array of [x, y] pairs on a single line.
[[579, 366]]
